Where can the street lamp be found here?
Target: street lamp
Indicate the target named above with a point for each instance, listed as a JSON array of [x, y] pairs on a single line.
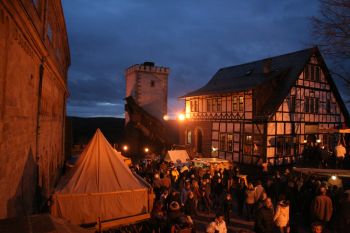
[[181, 117], [125, 148], [146, 149], [165, 117]]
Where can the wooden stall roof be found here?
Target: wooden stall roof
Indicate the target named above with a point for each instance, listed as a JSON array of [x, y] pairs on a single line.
[[322, 172], [331, 130]]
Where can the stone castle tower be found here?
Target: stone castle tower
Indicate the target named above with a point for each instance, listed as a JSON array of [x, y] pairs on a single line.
[[148, 85]]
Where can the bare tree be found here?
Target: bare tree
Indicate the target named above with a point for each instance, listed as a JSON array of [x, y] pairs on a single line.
[[331, 30]]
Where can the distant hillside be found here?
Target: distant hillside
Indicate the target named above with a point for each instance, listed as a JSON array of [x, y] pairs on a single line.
[[82, 129]]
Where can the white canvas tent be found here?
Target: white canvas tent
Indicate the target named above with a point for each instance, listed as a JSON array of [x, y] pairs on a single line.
[[176, 155], [100, 186]]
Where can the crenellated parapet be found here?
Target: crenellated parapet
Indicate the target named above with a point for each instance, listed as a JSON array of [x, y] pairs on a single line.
[[147, 67]]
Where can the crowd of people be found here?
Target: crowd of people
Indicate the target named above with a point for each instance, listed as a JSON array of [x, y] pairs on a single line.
[[277, 202], [319, 155]]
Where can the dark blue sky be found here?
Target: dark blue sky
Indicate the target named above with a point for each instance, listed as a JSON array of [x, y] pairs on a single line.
[[193, 38]]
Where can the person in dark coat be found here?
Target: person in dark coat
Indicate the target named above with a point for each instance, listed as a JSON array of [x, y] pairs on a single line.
[[190, 205], [240, 196], [344, 213], [174, 196], [176, 219], [322, 207], [264, 218], [158, 217], [228, 206]]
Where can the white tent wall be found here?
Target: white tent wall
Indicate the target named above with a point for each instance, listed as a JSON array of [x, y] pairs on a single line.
[[175, 155], [87, 208], [100, 185]]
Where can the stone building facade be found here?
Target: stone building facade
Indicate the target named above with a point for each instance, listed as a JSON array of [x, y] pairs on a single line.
[[148, 85], [265, 111], [34, 62]]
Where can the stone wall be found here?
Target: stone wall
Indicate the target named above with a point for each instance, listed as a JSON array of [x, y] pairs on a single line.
[[148, 85], [33, 73]]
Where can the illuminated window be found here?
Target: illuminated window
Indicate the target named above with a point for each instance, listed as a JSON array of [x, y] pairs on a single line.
[[284, 145], [194, 105], [234, 104], [247, 146], [241, 101], [216, 105]]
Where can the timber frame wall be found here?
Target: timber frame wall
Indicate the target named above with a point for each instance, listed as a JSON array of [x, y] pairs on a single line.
[[230, 131]]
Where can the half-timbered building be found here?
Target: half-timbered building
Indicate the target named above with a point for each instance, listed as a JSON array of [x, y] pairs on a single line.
[[264, 111]]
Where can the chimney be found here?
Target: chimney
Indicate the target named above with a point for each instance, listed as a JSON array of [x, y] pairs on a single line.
[[267, 65]]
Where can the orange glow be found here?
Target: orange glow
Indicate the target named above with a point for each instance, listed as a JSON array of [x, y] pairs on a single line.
[[146, 150], [125, 148], [181, 117]]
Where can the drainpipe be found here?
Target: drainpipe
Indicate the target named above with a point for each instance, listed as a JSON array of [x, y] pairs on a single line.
[[38, 161]]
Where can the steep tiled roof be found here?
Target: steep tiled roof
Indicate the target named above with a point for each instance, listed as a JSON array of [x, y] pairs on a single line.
[[250, 75], [269, 87]]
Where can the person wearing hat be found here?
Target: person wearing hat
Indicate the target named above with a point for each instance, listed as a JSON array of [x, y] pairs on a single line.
[[176, 219]]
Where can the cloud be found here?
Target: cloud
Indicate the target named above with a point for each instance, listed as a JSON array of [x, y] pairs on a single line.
[[193, 39]]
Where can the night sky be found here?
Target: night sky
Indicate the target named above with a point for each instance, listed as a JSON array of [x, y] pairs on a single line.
[[193, 38]]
